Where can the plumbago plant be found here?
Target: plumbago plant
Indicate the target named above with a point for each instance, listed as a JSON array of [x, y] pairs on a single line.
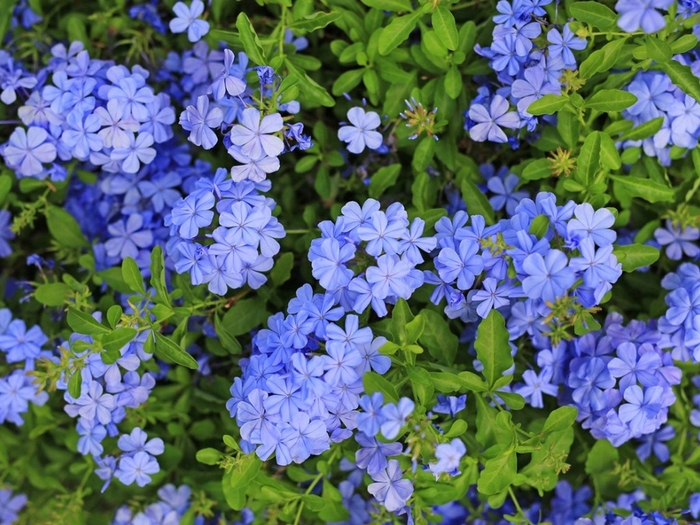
[[349, 262]]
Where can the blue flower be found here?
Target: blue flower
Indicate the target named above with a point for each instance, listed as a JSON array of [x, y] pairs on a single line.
[[199, 120], [449, 456], [6, 234], [227, 82], [329, 265], [561, 45], [136, 442], [137, 468], [389, 488], [390, 277], [361, 132], [138, 151], [21, 344], [395, 416], [193, 213], [27, 150], [372, 417], [643, 408], [128, 237], [636, 14], [548, 277], [462, 267], [678, 242], [536, 385], [489, 121], [656, 442], [451, 405], [187, 19], [10, 506], [255, 136]]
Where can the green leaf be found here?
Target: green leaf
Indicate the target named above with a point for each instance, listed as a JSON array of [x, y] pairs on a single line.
[[513, 400], [208, 456], [347, 81], [539, 226], [118, 339], [643, 188], [633, 256], [445, 27], [74, 384], [389, 5], [249, 40], [560, 419], [472, 382], [245, 471], [536, 170], [132, 276], [5, 186], [64, 228], [492, 346], [453, 83], [445, 382], [458, 428], [477, 203], [438, 339], [311, 90], [384, 179], [158, 274], [84, 323], [397, 32], [601, 457], [658, 50], [373, 382], [228, 341], [282, 270], [644, 131], [547, 105], [52, 294], [245, 315], [568, 127], [594, 13], [167, 348], [610, 100], [609, 156], [423, 155], [114, 315], [235, 497], [315, 21], [589, 158], [683, 77], [498, 473], [401, 315]]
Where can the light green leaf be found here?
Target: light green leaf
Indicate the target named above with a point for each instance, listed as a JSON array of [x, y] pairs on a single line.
[[315, 21], [633, 256], [643, 188], [644, 131], [373, 382], [560, 419], [609, 156], [132, 276], [397, 32], [589, 158], [445, 27], [477, 203], [594, 13], [683, 77], [158, 274], [610, 100], [498, 473], [658, 50], [52, 294], [64, 228], [118, 339], [536, 170], [547, 105], [438, 339], [389, 5], [84, 323]]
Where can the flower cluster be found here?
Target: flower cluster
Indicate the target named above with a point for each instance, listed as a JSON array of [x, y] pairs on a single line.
[[526, 71], [681, 322], [369, 257], [21, 348], [240, 248], [567, 265], [658, 97], [107, 390], [91, 111]]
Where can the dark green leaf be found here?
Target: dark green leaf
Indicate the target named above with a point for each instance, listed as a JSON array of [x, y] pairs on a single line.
[[477, 203], [384, 179], [315, 21], [282, 270], [589, 158], [64, 228], [83, 323], [249, 40], [158, 274], [397, 32], [683, 77], [347, 81], [492, 346], [245, 315], [445, 382], [595, 14], [389, 5], [438, 339], [169, 349], [74, 384], [560, 419], [536, 170], [644, 131]]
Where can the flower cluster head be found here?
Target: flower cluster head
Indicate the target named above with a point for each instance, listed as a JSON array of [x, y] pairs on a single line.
[[658, 97], [242, 239], [20, 348], [681, 322], [89, 110], [567, 266], [526, 72], [369, 256]]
